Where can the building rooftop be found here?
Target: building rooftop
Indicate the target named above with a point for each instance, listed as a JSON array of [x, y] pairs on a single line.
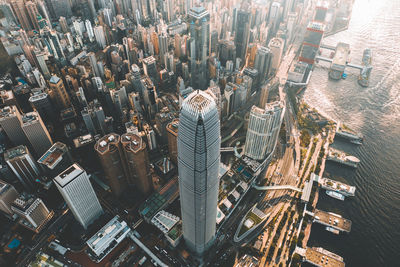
[[7, 111], [107, 142], [23, 202], [4, 187], [15, 152], [172, 127], [54, 155], [164, 221], [132, 142], [30, 118], [68, 175], [107, 235], [54, 79], [83, 140]]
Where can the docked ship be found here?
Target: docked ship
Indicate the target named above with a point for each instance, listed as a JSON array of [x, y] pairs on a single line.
[[335, 195], [365, 73], [342, 158], [348, 134]]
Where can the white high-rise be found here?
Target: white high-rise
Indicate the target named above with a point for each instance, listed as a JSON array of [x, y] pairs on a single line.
[[77, 191], [198, 160], [263, 130]]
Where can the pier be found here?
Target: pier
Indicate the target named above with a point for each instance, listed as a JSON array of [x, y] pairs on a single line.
[[342, 158], [322, 257], [332, 220], [336, 186], [348, 134], [341, 60]]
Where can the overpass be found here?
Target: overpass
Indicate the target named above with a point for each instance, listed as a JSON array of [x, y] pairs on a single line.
[[145, 249], [277, 187]]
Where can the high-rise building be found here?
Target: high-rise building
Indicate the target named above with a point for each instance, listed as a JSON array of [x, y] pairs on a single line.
[[58, 93], [263, 130], [100, 36], [40, 102], [77, 191], [198, 160], [19, 10], [33, 14], [32, 211], [172, 133], [93, 64], [111, 157], [150, 68], [11, 121], [36, 132], [7, 196], [137, 162], [242, 33], [276, 46], [56, 159], [94, 118], [22, 164], [199, 46], [263, 63], [312, 41]]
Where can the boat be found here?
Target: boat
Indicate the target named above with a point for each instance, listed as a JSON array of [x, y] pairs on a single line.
[[335, 195], [357, 142], [332, 230]]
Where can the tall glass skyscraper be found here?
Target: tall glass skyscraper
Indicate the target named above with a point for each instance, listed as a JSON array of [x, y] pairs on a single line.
[[198, 160]]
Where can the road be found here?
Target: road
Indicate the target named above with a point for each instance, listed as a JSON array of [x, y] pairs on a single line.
[[41, 241]]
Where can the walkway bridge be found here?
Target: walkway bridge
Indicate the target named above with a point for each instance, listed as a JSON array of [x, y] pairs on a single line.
[[227, 149], [277, 187]]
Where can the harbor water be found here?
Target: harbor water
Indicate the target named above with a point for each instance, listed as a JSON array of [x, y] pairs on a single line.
[[374, 239]]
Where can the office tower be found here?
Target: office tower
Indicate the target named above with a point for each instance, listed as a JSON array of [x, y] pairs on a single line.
[[36, 132], [52, 42], [227, 51], [7, 196], [22, 164], [100, 36], [312, 41], [264, 95], [32, 211], [56, 159], [63, 24], [58, 93], [77, 191], [10, 121], [263, 130], [172, 133], [61, 8], [41, 60], [110, 154], [263, 64], [150, 96], [19, 11], [94, 118], [199, 46], [276, 46], [33, 14], [215, 92], [198, 161], [8, 13], [242, 33], [89, 30], [320, 11], [137, 162], [150, 69]]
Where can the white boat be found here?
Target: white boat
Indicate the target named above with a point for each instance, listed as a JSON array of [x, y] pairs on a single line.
[[332, 230], [335, 195]]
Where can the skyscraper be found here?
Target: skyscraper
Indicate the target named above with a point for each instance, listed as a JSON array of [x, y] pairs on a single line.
[[56, 159], [7, 196], [40, 102], [33, 14], [242, 33], [58, 93], [198, 161], [172, 133], [276, 46], [263, 63], [19, 11], [199, 46], [10, 121], [36, 132], [32, 211], [137, 161], [77, 191], [22, 164], [111, 157], [263, 130]]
